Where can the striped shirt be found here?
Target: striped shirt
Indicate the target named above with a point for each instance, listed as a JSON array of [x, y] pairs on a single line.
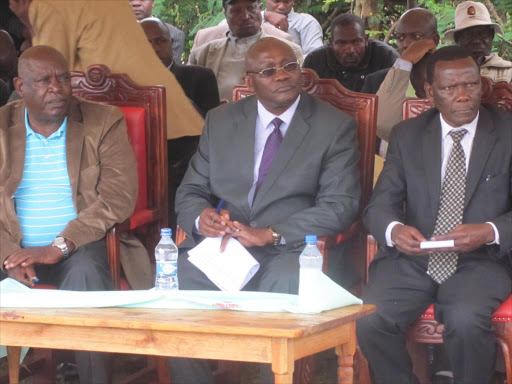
[[43, 200]]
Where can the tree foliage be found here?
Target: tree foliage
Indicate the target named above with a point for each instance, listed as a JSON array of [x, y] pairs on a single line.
[[380, 16]]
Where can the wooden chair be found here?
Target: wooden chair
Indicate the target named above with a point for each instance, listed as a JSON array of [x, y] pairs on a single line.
[[144, 110], [363, 108], [426, 330]]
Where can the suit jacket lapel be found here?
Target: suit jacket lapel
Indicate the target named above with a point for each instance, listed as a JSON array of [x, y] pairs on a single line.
[[18, 140], [483, 143], [74, 146], [244, 136], [294, 135], [431, 149]]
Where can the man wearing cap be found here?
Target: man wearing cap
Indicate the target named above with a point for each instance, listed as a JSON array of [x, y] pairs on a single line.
[[226, 56], [475, 31]]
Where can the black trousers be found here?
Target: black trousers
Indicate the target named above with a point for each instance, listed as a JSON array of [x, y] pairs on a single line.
[[278, 273], [85, 270], [402, 291]]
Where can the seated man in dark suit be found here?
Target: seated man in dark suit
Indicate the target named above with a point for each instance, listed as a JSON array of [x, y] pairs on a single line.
[[68, 174], [284, 162], [416, 34], [447, 176], [351, 55], [200, 86]]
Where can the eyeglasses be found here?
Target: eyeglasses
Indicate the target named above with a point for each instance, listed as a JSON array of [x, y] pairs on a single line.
[[271, 72]]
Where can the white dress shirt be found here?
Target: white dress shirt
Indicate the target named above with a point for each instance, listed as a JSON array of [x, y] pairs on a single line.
[[446, 148]]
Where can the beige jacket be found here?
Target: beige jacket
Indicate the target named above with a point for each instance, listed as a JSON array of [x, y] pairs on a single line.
[[106, 32], [210, 55], [497, 69], [206, 35], [103, 176]]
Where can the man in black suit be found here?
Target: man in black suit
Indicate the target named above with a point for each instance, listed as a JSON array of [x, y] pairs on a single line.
[[425, 192], [200, 86]]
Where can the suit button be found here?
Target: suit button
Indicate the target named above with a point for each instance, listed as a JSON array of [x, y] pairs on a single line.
[[253, 224]]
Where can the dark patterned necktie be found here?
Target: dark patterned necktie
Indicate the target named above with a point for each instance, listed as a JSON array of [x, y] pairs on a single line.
[[441, 265], [269, 152]]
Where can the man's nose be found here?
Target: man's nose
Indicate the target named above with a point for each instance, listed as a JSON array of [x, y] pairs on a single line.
[[55, 84], [281, 74], [461, 93]]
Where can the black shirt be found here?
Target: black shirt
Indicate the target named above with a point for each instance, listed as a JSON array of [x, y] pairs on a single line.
[[377, 56]]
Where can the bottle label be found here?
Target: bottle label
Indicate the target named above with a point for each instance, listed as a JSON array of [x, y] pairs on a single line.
[[166, 267]]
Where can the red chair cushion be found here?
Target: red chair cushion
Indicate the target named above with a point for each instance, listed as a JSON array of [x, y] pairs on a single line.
[[136, 123], [502, 315], [141, 217]]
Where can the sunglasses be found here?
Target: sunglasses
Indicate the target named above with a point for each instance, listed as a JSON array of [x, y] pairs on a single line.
[[271, 72]]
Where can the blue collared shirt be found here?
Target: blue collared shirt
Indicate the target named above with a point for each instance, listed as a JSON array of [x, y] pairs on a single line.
[[43, 200]]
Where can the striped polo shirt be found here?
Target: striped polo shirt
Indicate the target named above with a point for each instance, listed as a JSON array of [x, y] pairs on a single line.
[[43, 200]]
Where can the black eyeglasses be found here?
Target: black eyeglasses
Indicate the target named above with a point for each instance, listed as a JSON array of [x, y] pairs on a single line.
[[271, 72]]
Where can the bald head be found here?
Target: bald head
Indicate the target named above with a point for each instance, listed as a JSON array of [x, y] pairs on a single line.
[[34, 56], [160, 39], [7, 56], [273, 74], [261, 47], [44, 82], [415, 24]]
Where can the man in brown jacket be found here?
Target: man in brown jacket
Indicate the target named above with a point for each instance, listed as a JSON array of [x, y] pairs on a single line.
[[67, 174]]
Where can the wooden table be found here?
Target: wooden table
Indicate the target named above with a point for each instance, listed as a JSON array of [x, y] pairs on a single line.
[[275, 338]]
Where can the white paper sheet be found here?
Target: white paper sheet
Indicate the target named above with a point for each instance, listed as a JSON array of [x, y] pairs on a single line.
[[437, 244], [229, 270]]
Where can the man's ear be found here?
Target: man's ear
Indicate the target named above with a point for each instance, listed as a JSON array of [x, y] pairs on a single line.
[[429, 91], [436, 38], [18, 85], [249, 83]]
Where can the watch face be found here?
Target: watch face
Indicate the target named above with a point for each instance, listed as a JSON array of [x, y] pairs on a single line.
[[59, 241]]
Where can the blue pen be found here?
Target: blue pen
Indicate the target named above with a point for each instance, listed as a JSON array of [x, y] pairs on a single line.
[[219, 206], [35, 280]]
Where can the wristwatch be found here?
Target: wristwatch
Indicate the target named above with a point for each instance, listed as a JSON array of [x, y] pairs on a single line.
[[60, 243], [276, 236]]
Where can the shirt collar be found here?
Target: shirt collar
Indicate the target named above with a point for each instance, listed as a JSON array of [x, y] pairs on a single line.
[[245, 40], [58, 133], [470, 127], [292, 14], [266, 117]]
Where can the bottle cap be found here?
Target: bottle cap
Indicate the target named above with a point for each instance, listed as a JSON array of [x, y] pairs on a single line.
[[311, 239], [166, 232]]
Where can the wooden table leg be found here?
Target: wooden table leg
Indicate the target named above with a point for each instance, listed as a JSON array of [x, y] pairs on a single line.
[[345, 353], [282, 360], [13, 360]]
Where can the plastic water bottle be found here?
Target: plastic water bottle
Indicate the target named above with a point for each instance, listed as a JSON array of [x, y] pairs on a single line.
[[166, 256], [311, 258]]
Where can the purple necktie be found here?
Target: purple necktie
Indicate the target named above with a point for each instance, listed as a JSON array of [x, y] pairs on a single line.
[[269, 152]]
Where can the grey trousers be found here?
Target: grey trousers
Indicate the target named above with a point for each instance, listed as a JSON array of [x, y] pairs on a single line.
[[86, 269]]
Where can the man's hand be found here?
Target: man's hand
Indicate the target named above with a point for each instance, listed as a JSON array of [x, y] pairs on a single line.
[[24, 275], [277, 20], [407, 240], [20, 9], [248, 236], [467, 237], [417, 50], [212, 224], [25, 257]]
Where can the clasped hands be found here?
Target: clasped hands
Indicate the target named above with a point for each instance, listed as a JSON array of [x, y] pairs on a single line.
[[20, 263], [212, 224], [467, 237]]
